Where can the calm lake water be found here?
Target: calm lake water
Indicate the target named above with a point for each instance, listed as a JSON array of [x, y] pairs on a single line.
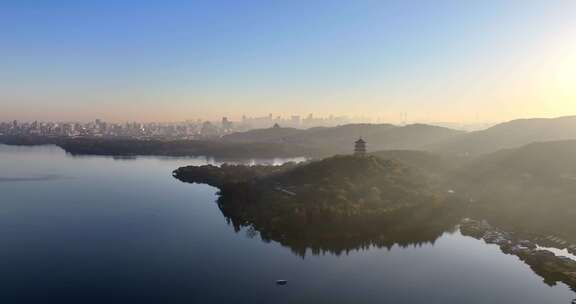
[[100, 230]]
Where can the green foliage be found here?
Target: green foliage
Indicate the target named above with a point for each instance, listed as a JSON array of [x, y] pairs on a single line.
[[324, 194], [532, 188]]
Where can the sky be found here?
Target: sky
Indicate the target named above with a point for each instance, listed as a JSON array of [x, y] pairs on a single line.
[[172, 60]]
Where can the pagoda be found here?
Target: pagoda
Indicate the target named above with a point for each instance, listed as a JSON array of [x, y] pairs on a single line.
[[360, 147]]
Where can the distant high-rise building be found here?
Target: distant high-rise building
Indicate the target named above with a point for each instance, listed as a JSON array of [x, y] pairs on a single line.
[[208, 129], [226, 125], [295, 121]]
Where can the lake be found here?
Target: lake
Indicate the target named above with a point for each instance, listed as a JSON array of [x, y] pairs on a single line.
[[104, 230]]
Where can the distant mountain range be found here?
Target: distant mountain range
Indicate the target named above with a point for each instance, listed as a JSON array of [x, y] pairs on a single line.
[[327, 141], [511, 134], [338, 140], [541, 160]]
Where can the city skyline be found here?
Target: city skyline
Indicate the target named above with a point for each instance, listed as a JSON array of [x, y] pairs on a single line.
[[196, 129], [439, 61], [247, 122]]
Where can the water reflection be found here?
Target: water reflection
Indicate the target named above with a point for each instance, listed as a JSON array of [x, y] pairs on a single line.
[[127, 232], [40, 178], [415, 226], [208, 160]]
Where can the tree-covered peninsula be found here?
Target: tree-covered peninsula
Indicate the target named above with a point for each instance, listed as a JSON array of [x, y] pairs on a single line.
[[335, 204], [340, 185]]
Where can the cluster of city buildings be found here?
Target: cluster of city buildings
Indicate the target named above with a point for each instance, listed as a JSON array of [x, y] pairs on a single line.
[[297, 121], [99, 128], [197, 129]]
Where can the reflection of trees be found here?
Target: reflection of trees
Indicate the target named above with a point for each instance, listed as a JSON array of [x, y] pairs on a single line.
[[410, 226]]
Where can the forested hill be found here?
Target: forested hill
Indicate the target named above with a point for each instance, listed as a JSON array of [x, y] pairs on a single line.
[[512, 134], [532, 187], [335, 204], [345, 182], [435, 164], [542, 160], [338, 140]]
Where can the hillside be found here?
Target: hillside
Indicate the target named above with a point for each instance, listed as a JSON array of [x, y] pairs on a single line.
[[346, 181], [511, 134], [338, 203], [339, 186], [431, 163], [337, 140], [532, 187], [542, 160], [351, 180], [274, 134]]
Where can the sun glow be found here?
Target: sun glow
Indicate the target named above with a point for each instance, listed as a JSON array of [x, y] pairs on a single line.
[[556, 80]]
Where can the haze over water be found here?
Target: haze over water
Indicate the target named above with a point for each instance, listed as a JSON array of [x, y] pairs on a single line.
[[96, 229]]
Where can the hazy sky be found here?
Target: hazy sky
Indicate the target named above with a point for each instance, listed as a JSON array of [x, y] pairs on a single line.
[[173, 60]]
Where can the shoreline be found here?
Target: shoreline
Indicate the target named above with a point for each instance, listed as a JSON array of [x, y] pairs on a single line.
[[128, 147], [551, 267]]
